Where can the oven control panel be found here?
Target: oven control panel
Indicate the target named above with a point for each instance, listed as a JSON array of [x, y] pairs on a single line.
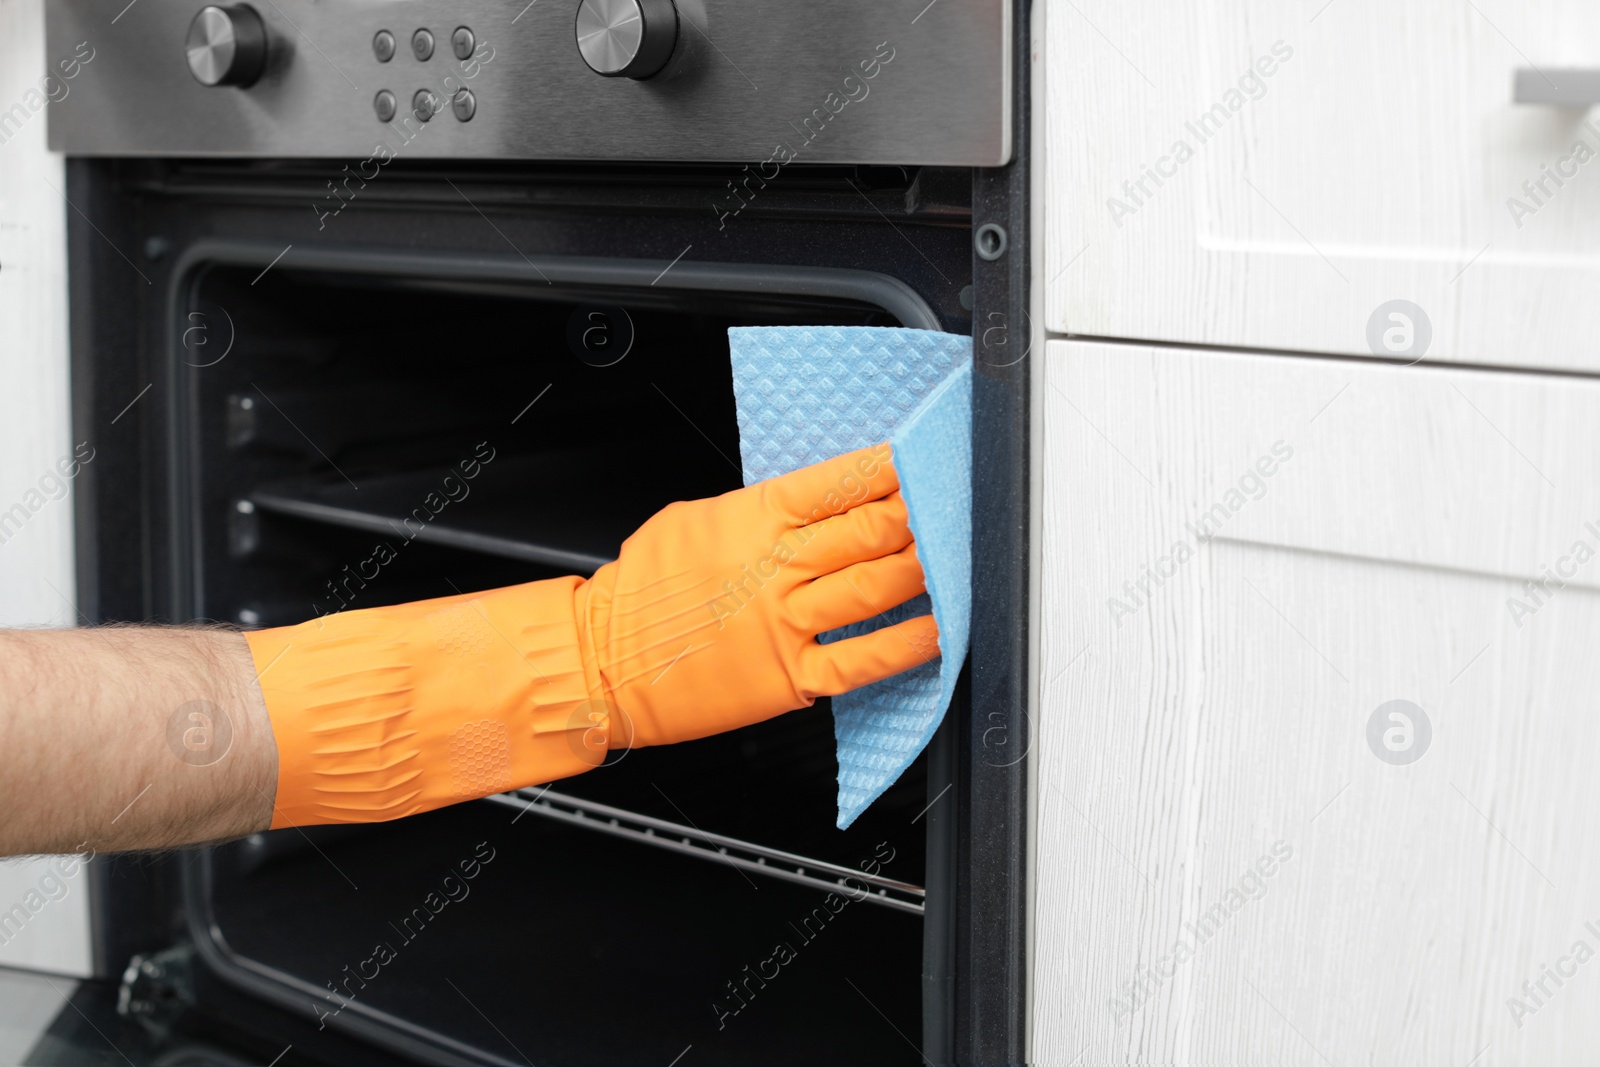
[[826, 81]]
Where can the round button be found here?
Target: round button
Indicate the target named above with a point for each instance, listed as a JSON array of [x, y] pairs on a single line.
[[626, 38], [422, 45], [384, 105], [465, 105], [426, 104], [227, 45], [383, 46], [462, 42]]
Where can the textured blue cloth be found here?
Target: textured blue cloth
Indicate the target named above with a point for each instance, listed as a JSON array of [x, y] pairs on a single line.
[[808, 393]]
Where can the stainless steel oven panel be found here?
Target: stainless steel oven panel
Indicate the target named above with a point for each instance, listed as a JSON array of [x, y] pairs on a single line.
[[764, 82]]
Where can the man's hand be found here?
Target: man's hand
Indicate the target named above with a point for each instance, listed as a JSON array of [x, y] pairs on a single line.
[[708, 619]]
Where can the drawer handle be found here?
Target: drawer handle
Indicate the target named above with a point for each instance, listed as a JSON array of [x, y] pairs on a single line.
[[1561, 88]]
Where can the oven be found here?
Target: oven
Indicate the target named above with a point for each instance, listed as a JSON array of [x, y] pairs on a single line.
[[377, 301]]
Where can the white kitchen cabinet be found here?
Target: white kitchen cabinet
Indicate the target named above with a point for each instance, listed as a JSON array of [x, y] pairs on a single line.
[[1255, 174], [51, 932], [1244, 558]]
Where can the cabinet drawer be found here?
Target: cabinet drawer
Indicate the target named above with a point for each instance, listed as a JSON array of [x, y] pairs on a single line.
[[1277, 176]]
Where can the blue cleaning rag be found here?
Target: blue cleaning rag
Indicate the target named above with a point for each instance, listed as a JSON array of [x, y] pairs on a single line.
[[807, 393]]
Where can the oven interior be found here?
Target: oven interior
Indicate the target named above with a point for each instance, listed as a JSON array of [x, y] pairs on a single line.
[[324, 465]]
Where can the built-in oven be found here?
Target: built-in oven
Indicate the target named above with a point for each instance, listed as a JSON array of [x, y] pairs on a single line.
[[377, 301]]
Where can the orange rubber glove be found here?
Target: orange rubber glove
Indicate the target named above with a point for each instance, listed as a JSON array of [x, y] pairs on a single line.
[[706, 622]]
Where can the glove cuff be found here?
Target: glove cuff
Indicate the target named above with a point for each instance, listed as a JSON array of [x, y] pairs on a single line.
[[594, 608], [387, 712]]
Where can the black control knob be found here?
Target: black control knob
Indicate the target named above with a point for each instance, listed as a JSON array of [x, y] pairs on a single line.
[[626, 38], [227, 45]]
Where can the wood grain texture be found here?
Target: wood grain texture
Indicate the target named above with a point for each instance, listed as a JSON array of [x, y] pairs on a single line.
[[1225, 715], [36, 576], [1378, 161]]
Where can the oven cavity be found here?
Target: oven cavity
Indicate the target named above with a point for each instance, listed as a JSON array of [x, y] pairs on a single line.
[[378, 437]]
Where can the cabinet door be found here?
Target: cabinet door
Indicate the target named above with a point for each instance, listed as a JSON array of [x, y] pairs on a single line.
[[1259, 174], [1319, 715], [44, 919]]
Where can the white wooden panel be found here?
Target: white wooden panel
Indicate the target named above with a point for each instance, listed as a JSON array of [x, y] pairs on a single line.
[[1375, 162], [36, 586], [28, 1005], [1190, 732]]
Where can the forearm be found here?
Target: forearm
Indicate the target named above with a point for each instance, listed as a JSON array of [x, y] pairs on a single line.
[[130, 737], [142, 737]]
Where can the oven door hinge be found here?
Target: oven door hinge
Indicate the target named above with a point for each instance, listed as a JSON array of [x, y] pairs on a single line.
[[157, 988]]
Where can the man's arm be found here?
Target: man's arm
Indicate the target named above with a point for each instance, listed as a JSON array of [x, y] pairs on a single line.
[[127, 737], [130, 737]]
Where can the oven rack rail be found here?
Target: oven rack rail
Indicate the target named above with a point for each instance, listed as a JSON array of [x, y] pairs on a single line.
[[493, 517], [578, 560], [742, 855]]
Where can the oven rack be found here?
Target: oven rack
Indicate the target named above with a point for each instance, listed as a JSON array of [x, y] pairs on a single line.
[[553, 550], [692, 841], [545, 509]]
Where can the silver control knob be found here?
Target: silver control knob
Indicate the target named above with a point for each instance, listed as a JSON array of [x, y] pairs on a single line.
[[227, 45], [626, 38]]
